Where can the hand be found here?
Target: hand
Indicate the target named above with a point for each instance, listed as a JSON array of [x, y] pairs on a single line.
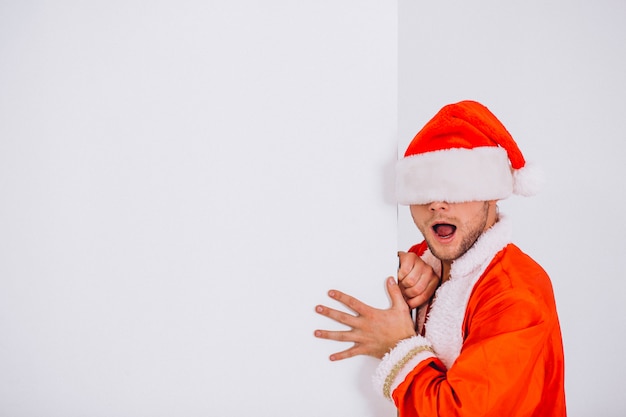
[[374, 332], [416, 279]]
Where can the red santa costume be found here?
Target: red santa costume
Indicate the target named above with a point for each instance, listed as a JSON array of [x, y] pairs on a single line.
[[489, 343]]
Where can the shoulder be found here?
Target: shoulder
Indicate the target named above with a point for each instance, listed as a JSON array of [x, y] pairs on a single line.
[[516, 277], [520, 269]]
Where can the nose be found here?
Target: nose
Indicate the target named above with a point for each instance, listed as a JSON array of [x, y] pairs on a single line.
[[438, 206]]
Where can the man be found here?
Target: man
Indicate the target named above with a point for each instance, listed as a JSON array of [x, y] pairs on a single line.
[[488, 343]]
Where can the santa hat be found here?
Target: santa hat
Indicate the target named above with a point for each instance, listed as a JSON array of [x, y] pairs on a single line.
[[464, 153]]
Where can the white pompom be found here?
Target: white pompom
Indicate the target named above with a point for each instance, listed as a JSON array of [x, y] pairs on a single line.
[[528, 181]]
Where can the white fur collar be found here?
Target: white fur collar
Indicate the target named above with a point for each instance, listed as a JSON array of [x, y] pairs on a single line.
[[445, 319]]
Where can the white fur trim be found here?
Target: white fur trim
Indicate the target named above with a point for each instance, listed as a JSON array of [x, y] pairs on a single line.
[[395, 357], [454, 175], [444, 333], [528, 181], [445, 320]]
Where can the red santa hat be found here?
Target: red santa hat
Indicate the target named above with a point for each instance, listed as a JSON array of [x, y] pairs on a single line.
[[462, 154]]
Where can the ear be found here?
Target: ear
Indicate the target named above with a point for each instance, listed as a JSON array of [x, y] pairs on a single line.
[[493, 212]]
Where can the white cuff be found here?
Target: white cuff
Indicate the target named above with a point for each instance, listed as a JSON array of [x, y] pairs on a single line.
[[396, 365]]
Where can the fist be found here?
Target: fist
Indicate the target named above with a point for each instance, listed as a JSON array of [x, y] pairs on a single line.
[[416, 279]]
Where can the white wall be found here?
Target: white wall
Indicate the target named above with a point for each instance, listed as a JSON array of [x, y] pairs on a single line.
[[553, 72], [181, 183]]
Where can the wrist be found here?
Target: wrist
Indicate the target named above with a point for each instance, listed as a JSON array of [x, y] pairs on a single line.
[[399, 361]]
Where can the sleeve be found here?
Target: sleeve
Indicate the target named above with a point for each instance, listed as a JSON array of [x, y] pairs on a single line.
[[497, 373], [419, 248]]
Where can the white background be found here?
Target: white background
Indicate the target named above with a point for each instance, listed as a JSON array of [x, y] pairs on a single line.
[[554, 72], [181, 182]]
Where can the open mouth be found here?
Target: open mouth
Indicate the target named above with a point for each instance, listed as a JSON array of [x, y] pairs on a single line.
[[444, 230]]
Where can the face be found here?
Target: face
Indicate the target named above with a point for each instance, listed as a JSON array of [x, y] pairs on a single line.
[[451, 229]]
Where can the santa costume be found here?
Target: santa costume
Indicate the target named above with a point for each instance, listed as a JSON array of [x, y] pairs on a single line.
[[489, 342]]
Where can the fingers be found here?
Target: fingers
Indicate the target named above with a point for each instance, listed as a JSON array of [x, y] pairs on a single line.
[[349, 301], [348, 353], [412, 267], [345, 354], [423, 297], [397, 299], [338, 316], [342, 318], [416, 279], [414, 273], [417, 283], [404, 267], [409, 263], [372, 331], [340, 335]]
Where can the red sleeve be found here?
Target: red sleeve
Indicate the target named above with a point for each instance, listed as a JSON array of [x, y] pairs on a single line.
[[511, 362], [419, 249]]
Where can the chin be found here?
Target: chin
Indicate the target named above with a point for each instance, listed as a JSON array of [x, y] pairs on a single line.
[[447, 254]]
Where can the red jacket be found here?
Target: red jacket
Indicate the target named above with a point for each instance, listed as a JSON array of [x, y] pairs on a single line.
[[492, 344]]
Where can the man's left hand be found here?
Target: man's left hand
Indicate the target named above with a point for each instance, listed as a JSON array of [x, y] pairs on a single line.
[[374, 332]]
